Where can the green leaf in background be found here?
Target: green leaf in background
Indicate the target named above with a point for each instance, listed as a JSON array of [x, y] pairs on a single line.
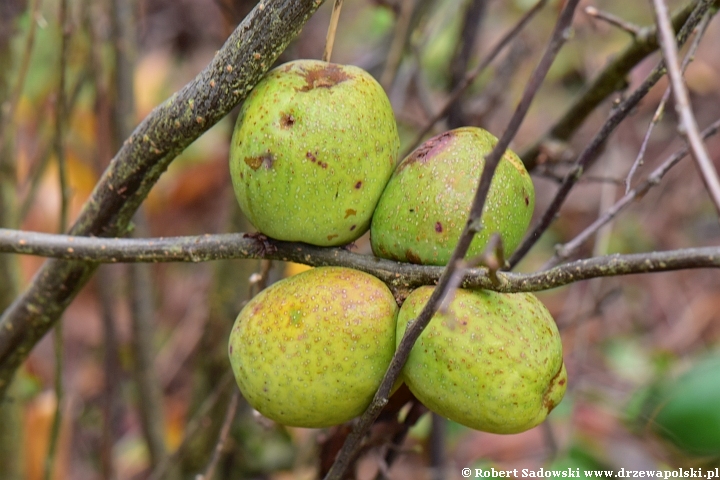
[[576, 458], [686, 410]]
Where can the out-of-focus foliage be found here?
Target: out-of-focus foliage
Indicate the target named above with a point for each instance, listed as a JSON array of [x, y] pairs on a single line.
[[684, 409]]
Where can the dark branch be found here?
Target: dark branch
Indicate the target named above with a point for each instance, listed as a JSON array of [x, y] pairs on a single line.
[[236, 68], [611, 79], [688, 125], [591, 152], [565, 251]]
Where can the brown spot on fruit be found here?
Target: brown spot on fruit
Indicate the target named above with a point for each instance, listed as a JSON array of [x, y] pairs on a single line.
[[287, 120], [438, 227], [330, 237], [428, 149], [349, 212], [323, 76], [266, 160], [358, 184], [353, 227], [253, 162], [412, 257], [310, 156]]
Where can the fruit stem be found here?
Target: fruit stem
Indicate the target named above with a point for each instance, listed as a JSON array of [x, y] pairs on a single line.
[[330, 39]]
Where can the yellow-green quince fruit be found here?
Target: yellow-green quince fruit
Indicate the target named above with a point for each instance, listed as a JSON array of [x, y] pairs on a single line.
[[311, 350], [313, 148], [426, 204], [493, 362]]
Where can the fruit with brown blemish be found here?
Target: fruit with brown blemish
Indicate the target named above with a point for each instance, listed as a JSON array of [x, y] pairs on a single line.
[[492, 362], [313, 141], [310, 351], [426, 204]]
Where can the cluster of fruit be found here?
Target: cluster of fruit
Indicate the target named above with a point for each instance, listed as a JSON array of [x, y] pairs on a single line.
[[314, 159]]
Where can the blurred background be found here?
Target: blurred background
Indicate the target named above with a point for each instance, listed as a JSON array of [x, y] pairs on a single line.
[[142, 350]]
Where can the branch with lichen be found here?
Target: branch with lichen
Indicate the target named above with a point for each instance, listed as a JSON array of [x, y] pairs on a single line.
[[397, 275], [145, 155]]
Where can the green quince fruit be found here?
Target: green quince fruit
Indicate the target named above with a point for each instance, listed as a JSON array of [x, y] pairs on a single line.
[[426, 204], [313, 148], [311, 350], [493, 362]]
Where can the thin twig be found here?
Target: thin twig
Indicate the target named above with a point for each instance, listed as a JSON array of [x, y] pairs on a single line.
[[8, 110], [542, 172], [140, 286], [560, 34], [688, 125], [613, 20], [640, 158], [611, 79], [420, 83], [224, 432], [393, 448], [59, 149], [105, 283], [332, 30], [566, 250], [593, 149], [106, 279], [438, 446], [397, 46], [471, 25], [689, 56], [149, 388], [194, 425], [42, 161], [258, 283], [471, 76], [61, 119]]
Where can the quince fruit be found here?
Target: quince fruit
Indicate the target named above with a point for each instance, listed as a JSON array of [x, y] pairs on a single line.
[[426, 203], [313, 148], [493, 362], [311, 350]]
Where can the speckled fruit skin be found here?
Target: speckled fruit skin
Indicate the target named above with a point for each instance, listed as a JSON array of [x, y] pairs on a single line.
[[312, 151], [425, 205], [493, 362], [310, 351]]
